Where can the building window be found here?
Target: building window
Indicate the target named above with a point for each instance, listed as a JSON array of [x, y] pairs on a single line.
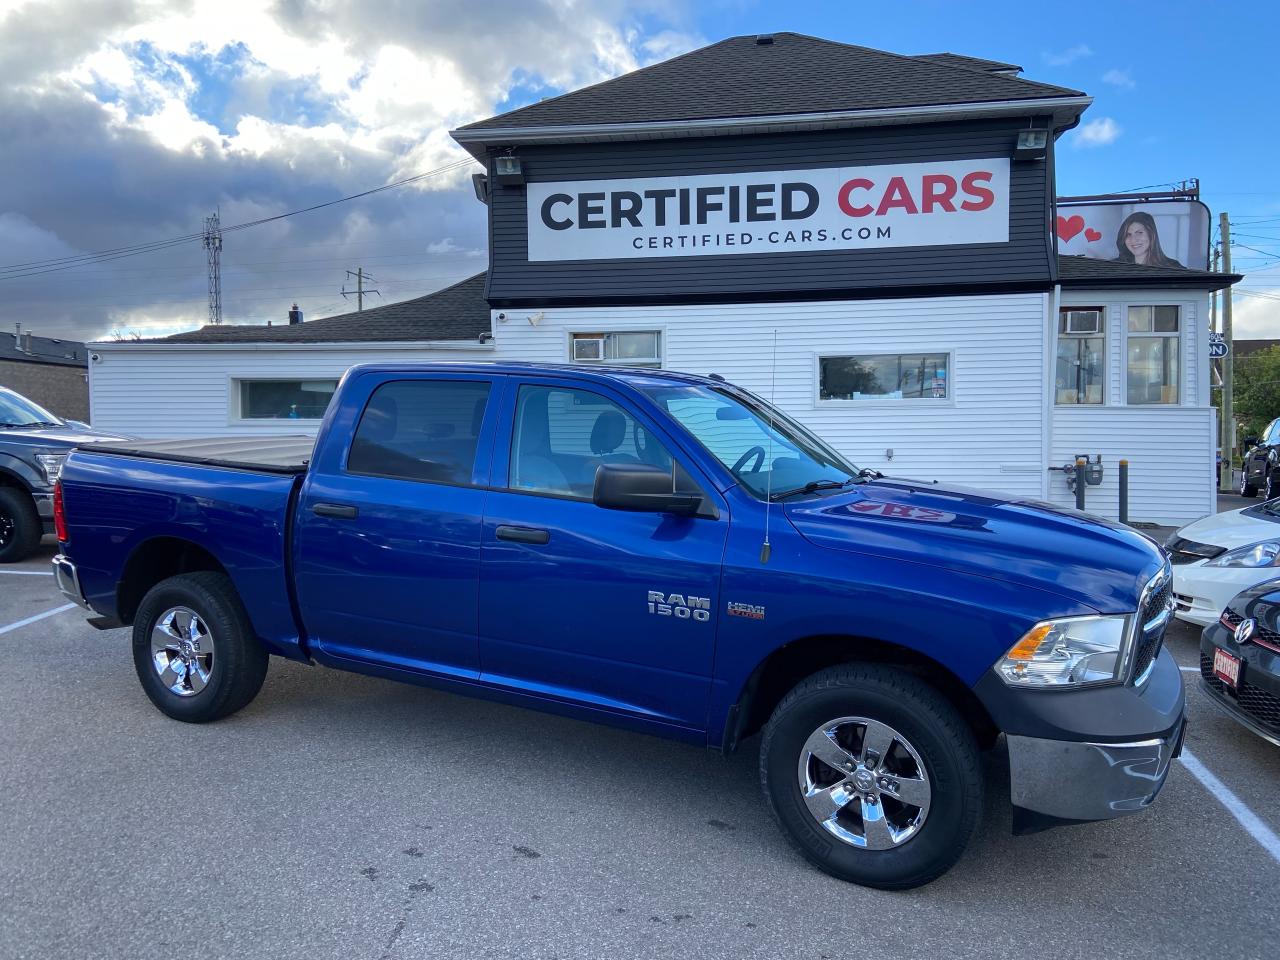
[[898, 376], [421, 430], [633, 348], [285, 399], [1081, 365], [1154, 335]]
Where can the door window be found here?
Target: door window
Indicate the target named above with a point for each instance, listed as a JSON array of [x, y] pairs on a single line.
[[423, 430], [562, 435]]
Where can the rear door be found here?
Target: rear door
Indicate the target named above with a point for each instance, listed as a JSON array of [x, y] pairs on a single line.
[[387, 545], [606, 608]]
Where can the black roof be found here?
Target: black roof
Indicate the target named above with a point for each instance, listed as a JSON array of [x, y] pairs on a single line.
[[791, 74], [1075, 271], [973, 63], [62, 353], [459, 312]]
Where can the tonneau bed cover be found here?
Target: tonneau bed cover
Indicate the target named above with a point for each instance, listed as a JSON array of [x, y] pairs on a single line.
[[287, 455]]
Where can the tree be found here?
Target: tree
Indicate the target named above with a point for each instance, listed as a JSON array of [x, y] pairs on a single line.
[[1257, 391]]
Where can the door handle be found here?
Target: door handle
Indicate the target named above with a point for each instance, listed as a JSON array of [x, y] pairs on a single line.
[[522, 534], [338, 511]]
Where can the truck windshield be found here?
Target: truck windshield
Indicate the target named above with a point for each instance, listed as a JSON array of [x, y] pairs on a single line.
[[18, 411], [769, 453]]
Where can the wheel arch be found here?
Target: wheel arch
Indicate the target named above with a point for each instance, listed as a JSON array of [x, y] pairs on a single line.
[[791, 663], [156, 559]]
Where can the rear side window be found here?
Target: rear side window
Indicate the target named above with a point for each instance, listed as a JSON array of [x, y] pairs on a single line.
[[420, 430]]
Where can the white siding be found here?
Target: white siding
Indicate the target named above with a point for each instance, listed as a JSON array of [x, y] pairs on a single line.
[[987, 434], [1169, 448], [151, 390]]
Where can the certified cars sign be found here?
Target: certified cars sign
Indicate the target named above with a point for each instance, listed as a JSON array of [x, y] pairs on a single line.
[[773, 211]]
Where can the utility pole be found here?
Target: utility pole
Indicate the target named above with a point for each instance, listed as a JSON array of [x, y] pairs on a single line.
[[359, 291], [1226, 426], [213, 246], [1213, 297]]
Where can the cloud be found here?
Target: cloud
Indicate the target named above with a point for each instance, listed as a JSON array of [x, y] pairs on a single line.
[[1070, 55], [1119, 78], [129, 121], [1255, 314], [1097, 133]]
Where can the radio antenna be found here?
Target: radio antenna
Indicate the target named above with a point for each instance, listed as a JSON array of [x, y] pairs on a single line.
[[765, 549]]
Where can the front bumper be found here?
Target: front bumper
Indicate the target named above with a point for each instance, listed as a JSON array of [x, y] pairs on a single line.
[[1255, 702], [1201, 592], [1090, 754]]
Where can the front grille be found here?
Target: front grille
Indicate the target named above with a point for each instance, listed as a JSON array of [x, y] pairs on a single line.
[[1153, 618], [1182, 601], [1158, 601], [1257, 703], [1188, 551], [1261, 635], [1148, 650]]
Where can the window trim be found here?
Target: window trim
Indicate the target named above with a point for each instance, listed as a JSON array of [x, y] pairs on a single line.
[[931, 402], [605, 330], [235, 400], [1180, 336], [1105, 334], [344, 465]]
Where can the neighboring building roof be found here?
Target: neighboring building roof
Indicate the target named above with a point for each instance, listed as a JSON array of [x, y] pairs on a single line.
[[788, 74], [1076, 271], [1242, 348], [459, 312], [972, 63], [61, 353]]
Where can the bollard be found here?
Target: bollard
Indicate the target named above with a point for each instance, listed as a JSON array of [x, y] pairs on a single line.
[[1081, 463], [1124, 491]]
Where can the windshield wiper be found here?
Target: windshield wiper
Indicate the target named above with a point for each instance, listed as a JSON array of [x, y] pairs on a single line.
[[813, 486]]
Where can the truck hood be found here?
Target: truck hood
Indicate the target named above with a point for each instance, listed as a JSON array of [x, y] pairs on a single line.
[[1077, 556]]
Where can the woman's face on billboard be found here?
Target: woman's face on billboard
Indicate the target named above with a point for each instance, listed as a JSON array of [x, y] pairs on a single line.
[[1138, 241]]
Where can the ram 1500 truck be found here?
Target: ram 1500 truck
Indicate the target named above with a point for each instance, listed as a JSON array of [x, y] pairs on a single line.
[[663, 552]]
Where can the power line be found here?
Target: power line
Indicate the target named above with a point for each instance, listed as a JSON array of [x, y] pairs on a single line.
[[33, 268]]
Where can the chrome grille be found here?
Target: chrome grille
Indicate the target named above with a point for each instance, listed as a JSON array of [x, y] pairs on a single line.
[[1256, 702]]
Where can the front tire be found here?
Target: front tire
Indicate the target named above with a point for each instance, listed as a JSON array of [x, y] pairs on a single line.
[[1272, 488], [194, 649], [1247, 489], [873, 775], [20, 526]]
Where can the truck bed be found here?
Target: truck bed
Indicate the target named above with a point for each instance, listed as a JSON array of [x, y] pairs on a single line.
[[285, 455]]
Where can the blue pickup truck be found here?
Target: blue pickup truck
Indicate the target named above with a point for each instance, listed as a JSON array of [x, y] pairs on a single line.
[[667, 553]]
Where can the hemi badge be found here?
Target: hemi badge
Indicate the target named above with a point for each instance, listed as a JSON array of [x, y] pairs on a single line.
[[749, 610]]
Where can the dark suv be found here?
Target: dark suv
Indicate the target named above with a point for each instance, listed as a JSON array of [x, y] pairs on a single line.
[[33, 444], [1261, 467]]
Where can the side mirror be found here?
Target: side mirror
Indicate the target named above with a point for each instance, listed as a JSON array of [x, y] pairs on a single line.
[[642, 488]]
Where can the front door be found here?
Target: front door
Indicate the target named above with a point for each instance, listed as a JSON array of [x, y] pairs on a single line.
[[605, 608], [387, 546]]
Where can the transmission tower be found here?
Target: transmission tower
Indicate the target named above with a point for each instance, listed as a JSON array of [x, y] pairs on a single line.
[[360, 291], [213, 244]]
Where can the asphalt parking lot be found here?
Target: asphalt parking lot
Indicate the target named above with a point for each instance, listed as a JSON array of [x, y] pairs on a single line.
[[346, 817]]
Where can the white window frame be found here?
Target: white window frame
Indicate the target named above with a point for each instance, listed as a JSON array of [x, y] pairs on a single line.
[[605, 332], [931, 402], [1180, 336], [1104, 332], [236, 415]]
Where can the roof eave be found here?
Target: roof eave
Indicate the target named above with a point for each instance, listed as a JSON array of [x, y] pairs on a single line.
[[471, 345], [1207, 283], [1065, 110]]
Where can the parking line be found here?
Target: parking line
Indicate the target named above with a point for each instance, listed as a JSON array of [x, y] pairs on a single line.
[[1235, 806], [28, 573], [38, 616], [1189, 669]]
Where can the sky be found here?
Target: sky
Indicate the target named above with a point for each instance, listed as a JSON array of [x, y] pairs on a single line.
[[130, 121]]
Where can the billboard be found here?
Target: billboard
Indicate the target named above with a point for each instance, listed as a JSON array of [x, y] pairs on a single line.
[[771, 211], [1170, 233]]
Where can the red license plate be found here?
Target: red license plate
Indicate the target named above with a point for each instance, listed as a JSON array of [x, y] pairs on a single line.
[[1226, 668]]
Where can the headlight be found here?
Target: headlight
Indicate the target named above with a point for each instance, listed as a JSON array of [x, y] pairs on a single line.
[[1264, 554], [51, 464], [1068, 652]]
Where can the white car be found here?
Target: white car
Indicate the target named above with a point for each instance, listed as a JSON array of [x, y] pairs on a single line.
[[1219, 556]]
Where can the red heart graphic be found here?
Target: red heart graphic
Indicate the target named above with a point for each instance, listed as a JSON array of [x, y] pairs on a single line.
[[1091, 234], [1068, 227]]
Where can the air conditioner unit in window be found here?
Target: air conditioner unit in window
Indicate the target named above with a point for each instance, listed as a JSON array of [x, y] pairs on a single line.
[[588, 348], [1084, 321]]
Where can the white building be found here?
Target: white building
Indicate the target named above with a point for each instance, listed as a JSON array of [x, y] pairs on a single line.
[[902, 293]]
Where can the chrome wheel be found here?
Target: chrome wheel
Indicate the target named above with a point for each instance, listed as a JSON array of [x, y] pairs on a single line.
[[182, 651], [8, 529], [864, 783]]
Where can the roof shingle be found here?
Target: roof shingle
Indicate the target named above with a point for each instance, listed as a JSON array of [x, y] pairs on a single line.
[[459, 312], [1077, 271], [793, 74]]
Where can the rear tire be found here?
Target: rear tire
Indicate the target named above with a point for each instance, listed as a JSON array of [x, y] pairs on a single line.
[[194, 649], [1247, 489], [20, 525], [1272, 489], [874, 838]]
